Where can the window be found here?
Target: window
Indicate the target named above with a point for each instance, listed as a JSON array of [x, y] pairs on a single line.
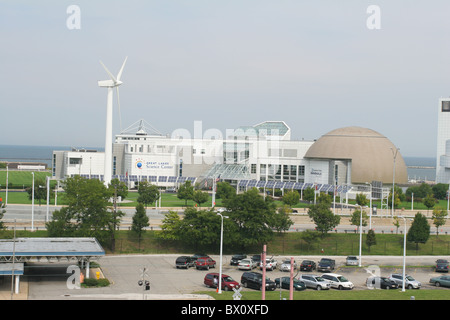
[[445, 106], [75, 160], [253, 168]]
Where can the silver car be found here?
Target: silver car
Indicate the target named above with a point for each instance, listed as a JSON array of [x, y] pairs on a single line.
[[315, 282], [286, 265], [410, 282], [246, 264], [352, 261]]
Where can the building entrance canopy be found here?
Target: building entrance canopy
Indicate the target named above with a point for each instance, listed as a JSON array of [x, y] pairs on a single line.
[[25, 249]]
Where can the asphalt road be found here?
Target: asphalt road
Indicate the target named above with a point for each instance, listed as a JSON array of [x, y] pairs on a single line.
[[49, 282]]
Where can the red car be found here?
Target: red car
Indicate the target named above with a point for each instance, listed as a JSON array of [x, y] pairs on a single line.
[[205, 263], [228, 283]]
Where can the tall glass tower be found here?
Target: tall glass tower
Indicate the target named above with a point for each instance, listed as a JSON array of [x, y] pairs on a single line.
[[443, 142]]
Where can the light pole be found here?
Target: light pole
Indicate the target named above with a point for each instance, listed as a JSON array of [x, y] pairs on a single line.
[[370, 210], [394, 153], [404, 254], [220, 259], [32, 204], [360, 234]]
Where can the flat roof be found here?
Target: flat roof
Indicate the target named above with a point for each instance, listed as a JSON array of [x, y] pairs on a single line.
[[26, 248], [6, 269]]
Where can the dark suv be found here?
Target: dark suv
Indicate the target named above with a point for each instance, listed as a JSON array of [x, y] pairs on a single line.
[[205, 263], [185, 262], [326, 264], [254, 280], [237, 258]]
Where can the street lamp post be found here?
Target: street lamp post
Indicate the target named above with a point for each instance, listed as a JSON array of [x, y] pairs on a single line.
[[32, 204], [370, 210], [394, 153], [220, 259], [404, 254], [360, 234]]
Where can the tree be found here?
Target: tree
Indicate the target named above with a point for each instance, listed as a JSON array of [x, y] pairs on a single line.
[[429, 201], [291, 198], [87, 213], [40, 191], [252, 216], [140, 220], [361, 199], [397, 197], [200, 197], [439, 218], [419, 232], [118, 189], [371, 239], [419, 191], [356, 218], [200, 227], [396, 222], [308, 194], [185, 192], [281, 220], [440, 191], [323, 217], [170, 226], [148, 193], [225, 190], [2, 212]]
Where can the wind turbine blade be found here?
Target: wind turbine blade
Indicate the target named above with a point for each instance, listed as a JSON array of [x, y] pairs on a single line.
[[121, 69], [120, 114], [110, 74]]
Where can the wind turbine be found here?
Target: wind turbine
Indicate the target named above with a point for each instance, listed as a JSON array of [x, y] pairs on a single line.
[[114, 82]]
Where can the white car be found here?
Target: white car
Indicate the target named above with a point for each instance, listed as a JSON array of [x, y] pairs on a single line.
[[246, 264], [352, 261], [286, 265], [338, 281], [271, 264]]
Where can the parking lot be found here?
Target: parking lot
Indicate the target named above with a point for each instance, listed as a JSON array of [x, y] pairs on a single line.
[[168, 282]]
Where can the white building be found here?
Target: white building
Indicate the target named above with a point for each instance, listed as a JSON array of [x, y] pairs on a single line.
[[443, 142], [262, 155]]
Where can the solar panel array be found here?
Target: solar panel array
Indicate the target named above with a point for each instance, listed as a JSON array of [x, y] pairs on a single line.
[[293, 185], [135, 178]]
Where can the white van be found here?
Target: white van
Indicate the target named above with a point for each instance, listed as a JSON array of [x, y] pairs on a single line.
[[338, 281]]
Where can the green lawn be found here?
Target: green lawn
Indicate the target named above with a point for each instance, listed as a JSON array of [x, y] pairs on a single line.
[[375, 294]]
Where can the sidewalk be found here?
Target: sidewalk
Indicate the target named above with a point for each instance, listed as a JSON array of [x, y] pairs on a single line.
[[5, 289]]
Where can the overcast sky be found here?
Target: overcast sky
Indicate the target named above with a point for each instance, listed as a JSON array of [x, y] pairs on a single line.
[[314, 64]]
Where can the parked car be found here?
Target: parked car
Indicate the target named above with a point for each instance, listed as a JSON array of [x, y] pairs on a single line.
[[326, 264], [271, 264], [338, 281], [286, 265], [381, 283], [212, 280], [443, 281], [205, 263], [254, 280], [286, 282], [246, 264], [199, 255], [235, 259], [352, 261], [410, 282], [256, 258], [185, 262], [315, 282], [441, 265], [307, 265]]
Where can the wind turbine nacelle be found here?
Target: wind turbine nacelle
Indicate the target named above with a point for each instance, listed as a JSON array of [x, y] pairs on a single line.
[[109, 83]]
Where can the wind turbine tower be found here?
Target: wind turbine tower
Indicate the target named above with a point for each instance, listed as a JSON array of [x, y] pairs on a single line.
[[114, 82]]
